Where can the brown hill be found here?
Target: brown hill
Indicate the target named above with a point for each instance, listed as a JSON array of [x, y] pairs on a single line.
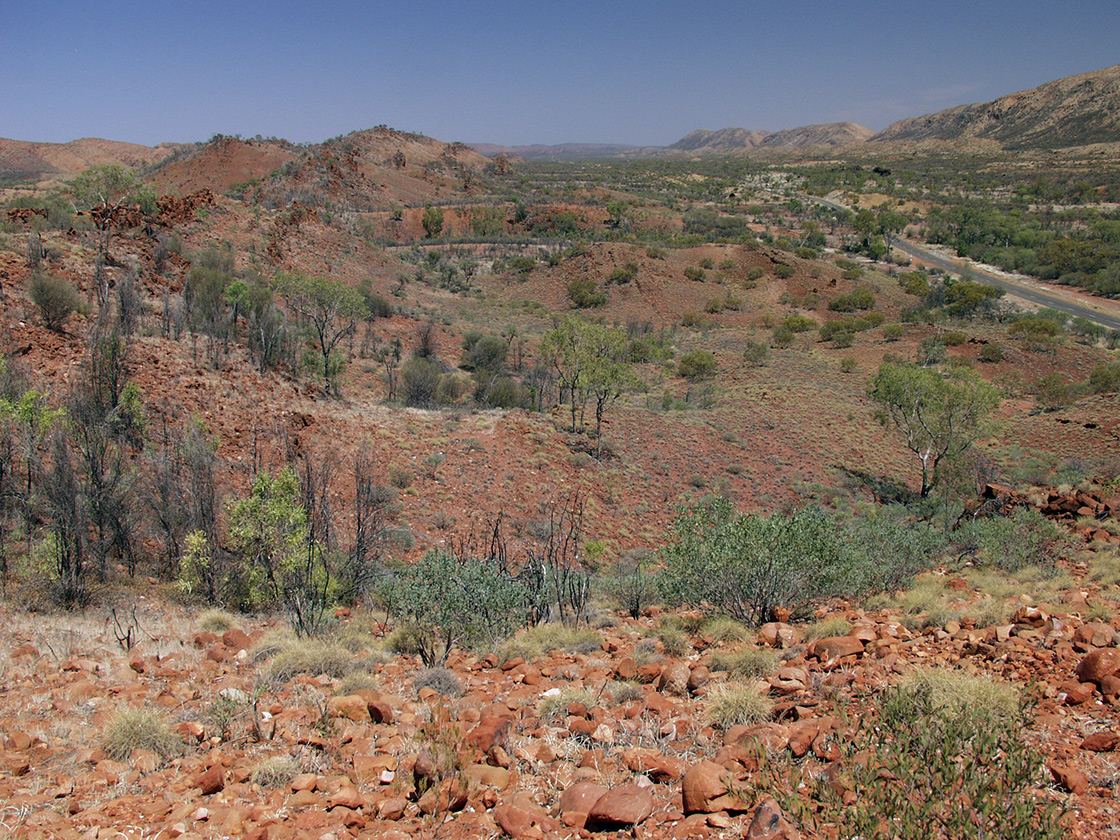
[[220, 164], [826, 134], [724, 140], [1074, 111], [23, 160], [372, 169]]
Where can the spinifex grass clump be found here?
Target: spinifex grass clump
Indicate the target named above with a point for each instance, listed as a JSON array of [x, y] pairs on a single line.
[[944, 758]]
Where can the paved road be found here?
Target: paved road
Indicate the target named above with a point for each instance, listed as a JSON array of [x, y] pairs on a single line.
[[1024, 288]]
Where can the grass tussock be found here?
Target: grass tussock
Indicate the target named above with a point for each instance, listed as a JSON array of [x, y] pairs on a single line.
[[355, 681], [723, 629], [216, 621], [747, 664], [440, 680], [275, 772], [674, 641], [311, 656], [827, 628], [139, 729], [554, 709], [543, 639], [624, 691], [976, 695], [737, 704], [271, 644]]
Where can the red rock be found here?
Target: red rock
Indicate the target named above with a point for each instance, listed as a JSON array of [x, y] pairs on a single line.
[[674, 679], [698, 678], [1110, 686], [703, 788], [351, 706], [777, 634], [626, 669], [1072, 780], [623, 805], [347, 796], [521, 820], [211, 781], [304, 781], [393, 809], [1098, 664], [1094, 633], [15, 764], [1074, 693], [835, 647], [1101, 742], [491, 731], [580, 797], [483, 775], [660, 768], [801, 738], [767, 823], [237, 639]]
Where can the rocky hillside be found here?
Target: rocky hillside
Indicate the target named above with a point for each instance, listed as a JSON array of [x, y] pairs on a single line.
[[1074, 111], [743, 141], [21, 160]]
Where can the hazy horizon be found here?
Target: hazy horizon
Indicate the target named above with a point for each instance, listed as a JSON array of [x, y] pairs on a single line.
[[521, 74]]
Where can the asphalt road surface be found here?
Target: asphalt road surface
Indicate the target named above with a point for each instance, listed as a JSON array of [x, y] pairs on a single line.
[[1024, 289]]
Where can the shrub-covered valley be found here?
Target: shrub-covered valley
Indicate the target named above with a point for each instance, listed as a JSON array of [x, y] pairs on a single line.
[[375, 488]]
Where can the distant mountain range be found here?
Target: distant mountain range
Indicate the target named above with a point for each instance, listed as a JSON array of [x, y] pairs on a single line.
[[1074, 111]]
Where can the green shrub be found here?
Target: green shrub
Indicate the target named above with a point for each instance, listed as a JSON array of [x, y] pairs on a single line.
[[744, 565], [848, 364], [139, 729], [1105, 379], [799, 323], [991, 352], [861, 298], [782, 337], [55, 299], [699, 364], [783, 271], [892, 332], [1025, 538], [695, 274], [450, 601], [756, 353], [586, 294], [952, 338], [927, 769]]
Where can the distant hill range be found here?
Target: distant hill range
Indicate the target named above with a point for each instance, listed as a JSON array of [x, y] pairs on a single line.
[[1074, 111], [27, 161], [380, 165], [560, 151]]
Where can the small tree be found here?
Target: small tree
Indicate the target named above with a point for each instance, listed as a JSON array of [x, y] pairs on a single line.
[[332, 310], [432, 221], [939, 414]]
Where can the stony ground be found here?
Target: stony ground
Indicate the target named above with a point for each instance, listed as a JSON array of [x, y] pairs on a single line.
[[615, 734]]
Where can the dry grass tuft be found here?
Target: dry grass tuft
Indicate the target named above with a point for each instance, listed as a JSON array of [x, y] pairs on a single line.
[[275, 772], [216, 621], [977, 695], [735, 704], [139, 729], [541, 640], [310, 656], [746, 664]]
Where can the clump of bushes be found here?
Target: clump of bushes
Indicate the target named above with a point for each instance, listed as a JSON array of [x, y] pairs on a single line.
[[698, 364], [586, 294]]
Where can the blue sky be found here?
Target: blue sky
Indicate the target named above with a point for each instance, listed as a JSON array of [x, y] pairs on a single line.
[[517, 73]]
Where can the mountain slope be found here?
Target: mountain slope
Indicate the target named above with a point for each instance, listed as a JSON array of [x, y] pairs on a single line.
[[21, 159], [1074, 111]]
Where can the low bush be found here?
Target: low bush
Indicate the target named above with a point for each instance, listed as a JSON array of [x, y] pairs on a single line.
[[698, 364], [55, 299], [542, 639], [216, 621], [927, 767]]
